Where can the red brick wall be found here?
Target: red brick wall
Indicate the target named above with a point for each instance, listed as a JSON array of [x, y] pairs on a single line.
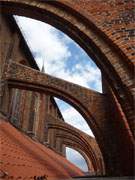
[[105, 30], [26, 109], [121, 142]]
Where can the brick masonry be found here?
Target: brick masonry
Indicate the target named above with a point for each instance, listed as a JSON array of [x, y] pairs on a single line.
[[105, 30]]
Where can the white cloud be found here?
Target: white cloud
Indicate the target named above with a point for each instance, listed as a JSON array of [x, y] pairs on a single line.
[[44, 41], [47, 45]]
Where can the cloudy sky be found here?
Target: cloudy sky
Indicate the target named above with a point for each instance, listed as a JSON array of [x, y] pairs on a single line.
[[62, 58]]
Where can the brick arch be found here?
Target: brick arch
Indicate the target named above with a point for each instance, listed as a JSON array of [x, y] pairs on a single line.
[[74, 146], [86, 145], [88, 29], [88, 102], [113, 54], [69, 142], [89, 165]]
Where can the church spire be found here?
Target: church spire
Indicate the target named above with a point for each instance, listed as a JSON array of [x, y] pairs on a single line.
[[43, 68]]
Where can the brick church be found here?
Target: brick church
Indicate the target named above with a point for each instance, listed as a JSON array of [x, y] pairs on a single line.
[[33, 132]]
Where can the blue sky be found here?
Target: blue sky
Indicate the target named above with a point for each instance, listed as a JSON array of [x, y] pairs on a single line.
[[62, 58], [78, 159]]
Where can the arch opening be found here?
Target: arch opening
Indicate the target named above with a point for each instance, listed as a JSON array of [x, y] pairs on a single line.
[[58, 55], [73, 117], [77, 158]]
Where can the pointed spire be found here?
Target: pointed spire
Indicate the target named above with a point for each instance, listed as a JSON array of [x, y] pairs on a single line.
[[43, 68]]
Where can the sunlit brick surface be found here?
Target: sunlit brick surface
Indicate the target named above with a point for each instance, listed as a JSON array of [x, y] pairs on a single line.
[[104, 29], [24, 158]]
